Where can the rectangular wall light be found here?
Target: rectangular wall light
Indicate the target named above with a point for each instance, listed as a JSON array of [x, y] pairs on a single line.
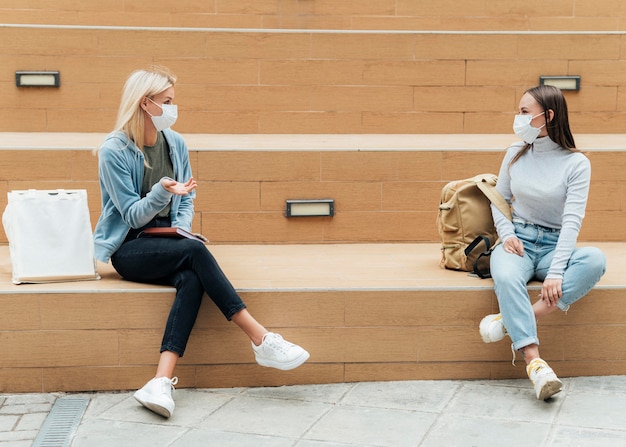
[[562, 82], [37, 79], [310, 208]]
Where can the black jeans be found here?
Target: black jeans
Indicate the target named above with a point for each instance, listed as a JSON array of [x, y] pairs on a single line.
[[184, 264]]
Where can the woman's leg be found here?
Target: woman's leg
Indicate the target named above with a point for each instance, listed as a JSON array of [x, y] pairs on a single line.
[[184, 311], [192, 270], [540, 309], [167, 363], [511, 273], [156, 259], [190, 266], [252, 328], [584, 269], [519, 316], [243, 319], [195, 257]]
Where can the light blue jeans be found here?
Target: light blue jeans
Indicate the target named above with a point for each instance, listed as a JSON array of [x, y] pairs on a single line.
[[511, 274]]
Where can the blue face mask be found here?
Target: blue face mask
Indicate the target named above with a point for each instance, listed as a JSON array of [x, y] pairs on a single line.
[[524, 130], [167, 118]]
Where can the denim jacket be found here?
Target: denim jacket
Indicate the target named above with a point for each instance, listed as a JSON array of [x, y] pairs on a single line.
[[120, 169]]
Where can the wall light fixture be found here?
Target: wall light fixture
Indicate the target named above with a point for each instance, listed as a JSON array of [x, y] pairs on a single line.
[[562, 82], [310, 208], [37, 79]]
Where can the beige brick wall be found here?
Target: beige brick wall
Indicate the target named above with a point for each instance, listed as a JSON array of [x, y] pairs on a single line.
[[380, 196], [112, 343], [326, 14], [249, 81], [307, 82]]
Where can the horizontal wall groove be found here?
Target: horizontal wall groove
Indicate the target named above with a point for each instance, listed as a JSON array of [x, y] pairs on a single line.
[[309, 31]]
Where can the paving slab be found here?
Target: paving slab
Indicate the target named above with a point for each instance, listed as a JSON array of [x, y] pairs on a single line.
[[588, 412]]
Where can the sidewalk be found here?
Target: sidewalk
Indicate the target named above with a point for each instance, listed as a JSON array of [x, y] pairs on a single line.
[[588, 412]]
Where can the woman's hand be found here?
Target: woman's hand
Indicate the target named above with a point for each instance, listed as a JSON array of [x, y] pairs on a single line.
[[514, 245], [551, 291], [180, 189]]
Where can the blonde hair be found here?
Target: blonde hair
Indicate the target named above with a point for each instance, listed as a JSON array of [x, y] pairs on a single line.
[[140, 84]]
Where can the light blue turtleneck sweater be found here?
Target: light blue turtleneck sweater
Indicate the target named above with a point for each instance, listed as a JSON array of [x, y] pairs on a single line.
[[547, 186]]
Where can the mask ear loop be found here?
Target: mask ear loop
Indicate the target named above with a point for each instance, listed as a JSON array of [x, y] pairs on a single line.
[[550, 123], [156, 104], [544, 124]]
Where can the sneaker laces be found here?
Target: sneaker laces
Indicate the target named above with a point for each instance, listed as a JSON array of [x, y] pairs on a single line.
[[276, 342], [514, 352], [536, 365], [167, 384]]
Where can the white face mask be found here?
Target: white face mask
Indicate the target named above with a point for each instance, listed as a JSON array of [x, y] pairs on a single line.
[[523, 129], [167, 118]]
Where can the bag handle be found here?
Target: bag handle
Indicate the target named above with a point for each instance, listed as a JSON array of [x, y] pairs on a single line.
[[487, 252], [487, 184]]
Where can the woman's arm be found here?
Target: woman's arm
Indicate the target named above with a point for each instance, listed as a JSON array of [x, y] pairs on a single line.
[[502, 223], [578, 181], [118, 176], [182, 205]]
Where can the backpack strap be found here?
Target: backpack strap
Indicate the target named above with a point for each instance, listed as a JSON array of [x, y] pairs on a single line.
[[487, 252], [487, 184]]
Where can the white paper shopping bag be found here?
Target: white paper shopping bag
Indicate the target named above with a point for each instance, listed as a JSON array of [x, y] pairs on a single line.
[[50, 236]]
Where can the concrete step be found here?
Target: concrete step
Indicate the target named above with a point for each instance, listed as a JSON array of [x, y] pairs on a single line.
[[365, 312]]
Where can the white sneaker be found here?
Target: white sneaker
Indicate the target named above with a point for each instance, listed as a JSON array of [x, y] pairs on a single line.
[[156, 395], [492, 329], [543, 378], [275, 352]]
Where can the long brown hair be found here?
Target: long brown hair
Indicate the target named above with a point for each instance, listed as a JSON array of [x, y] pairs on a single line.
[[551, 98]]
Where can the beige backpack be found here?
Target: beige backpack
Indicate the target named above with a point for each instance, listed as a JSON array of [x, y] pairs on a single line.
[[465, 223]]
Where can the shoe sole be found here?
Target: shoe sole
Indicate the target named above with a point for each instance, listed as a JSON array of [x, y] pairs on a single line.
[[154, 407], [283, 366], [550, 389], [484, 333]]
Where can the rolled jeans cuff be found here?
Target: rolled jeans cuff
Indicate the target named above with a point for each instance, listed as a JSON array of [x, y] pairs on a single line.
[[525, 342]]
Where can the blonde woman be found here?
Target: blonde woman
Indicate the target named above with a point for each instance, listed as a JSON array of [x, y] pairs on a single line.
[[146, 181]]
